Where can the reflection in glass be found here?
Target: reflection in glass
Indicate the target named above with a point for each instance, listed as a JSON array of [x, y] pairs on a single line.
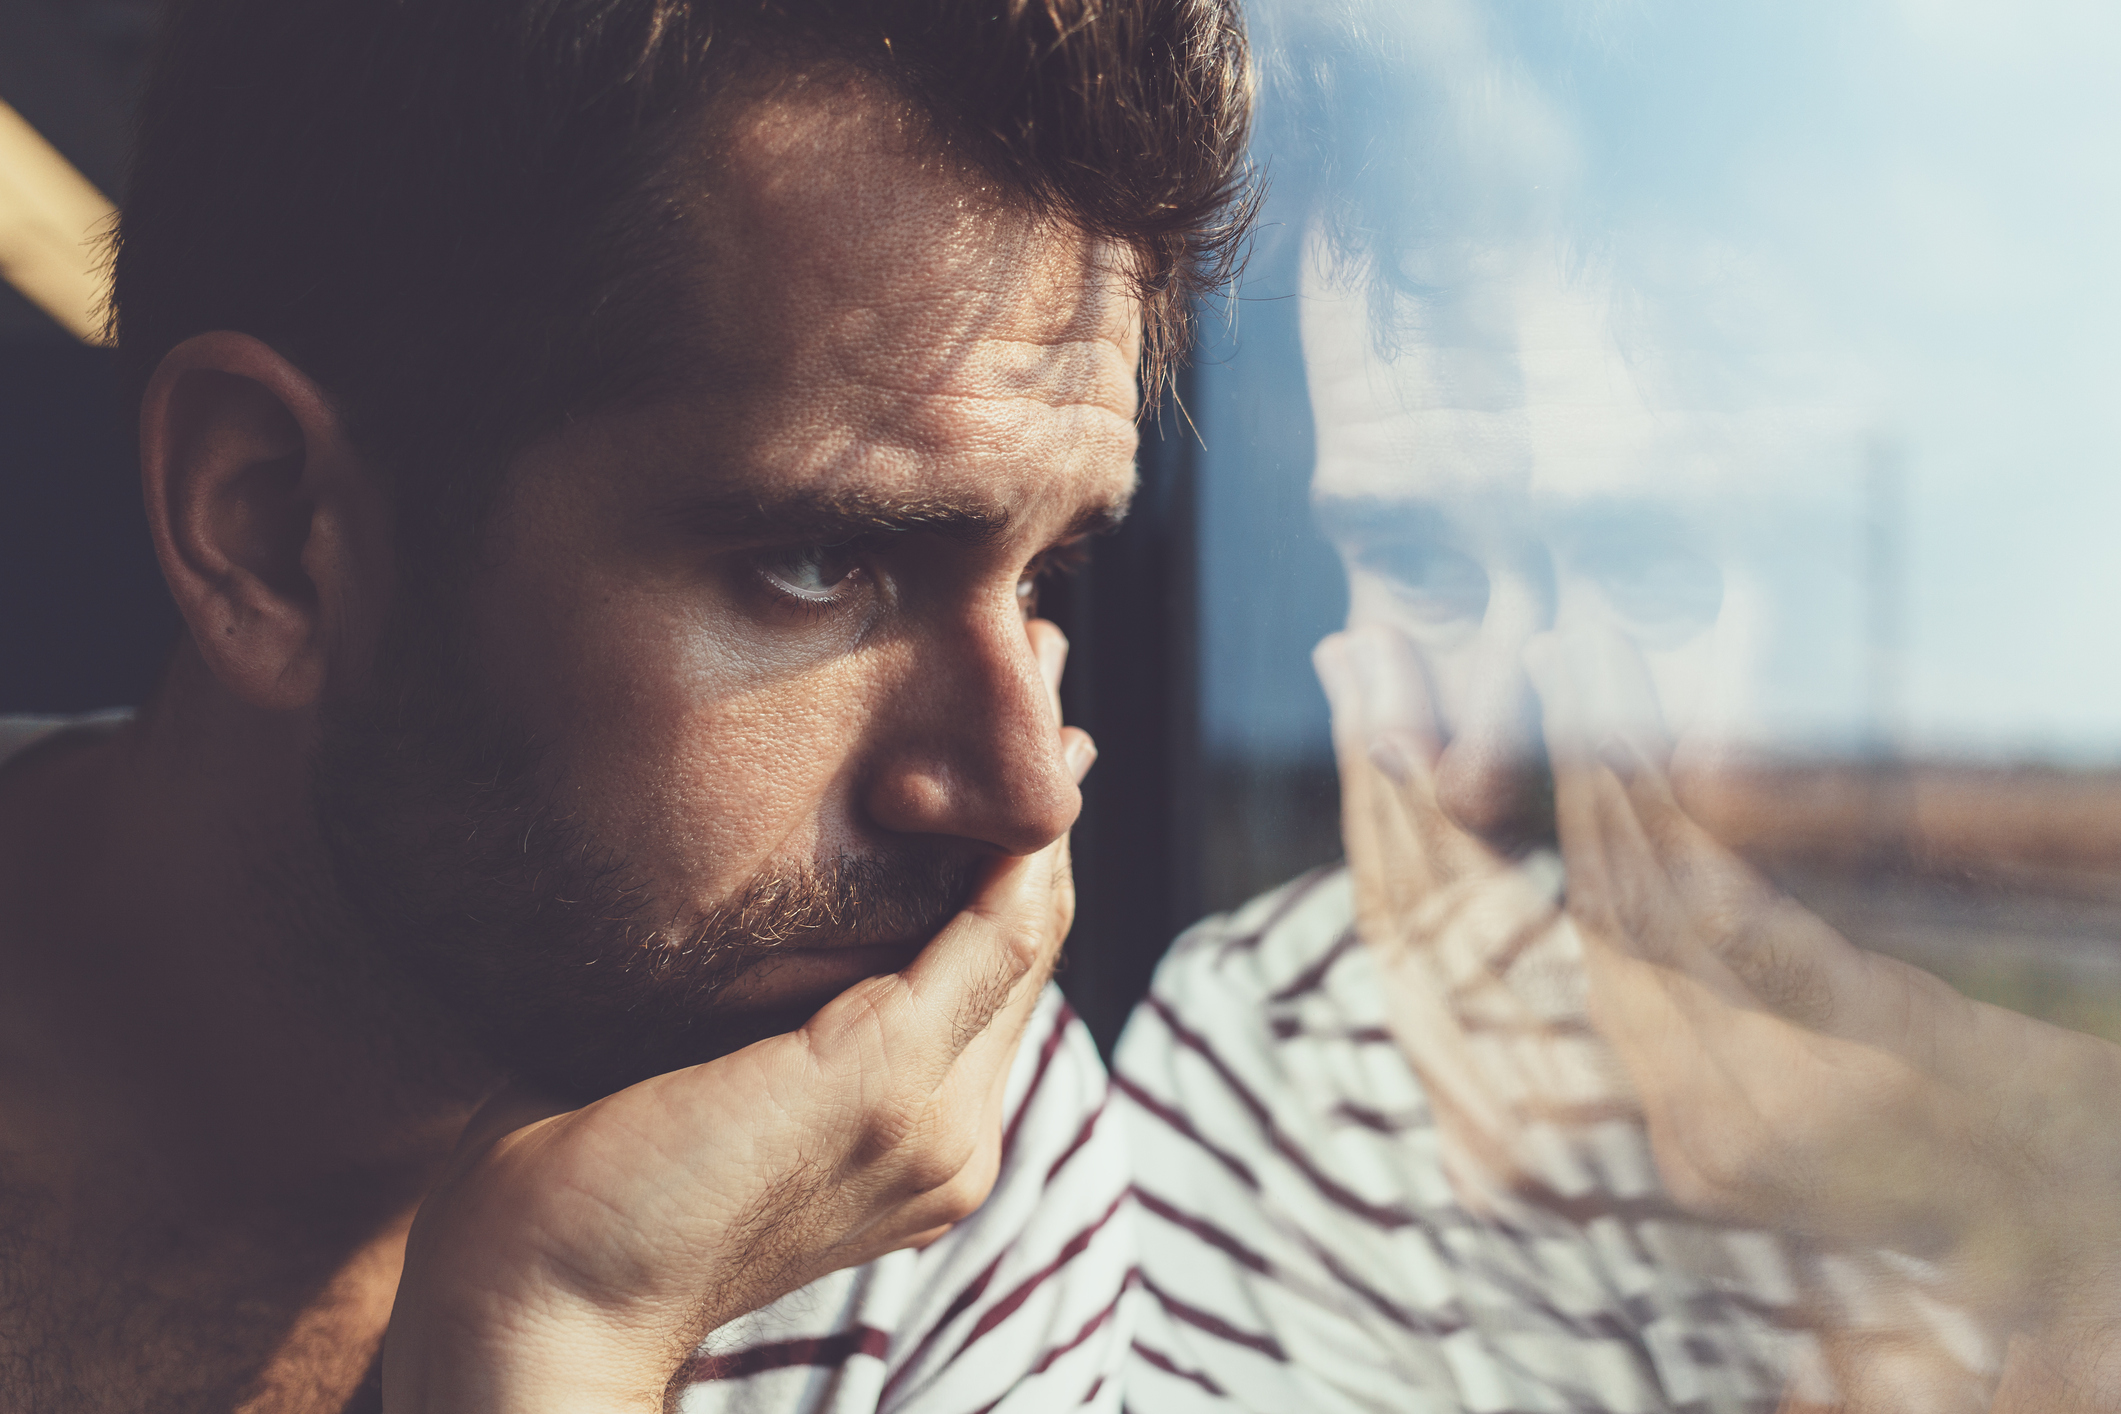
[[1700, 405]]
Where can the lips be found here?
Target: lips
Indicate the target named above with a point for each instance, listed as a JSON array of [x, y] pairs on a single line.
[[784, 976]]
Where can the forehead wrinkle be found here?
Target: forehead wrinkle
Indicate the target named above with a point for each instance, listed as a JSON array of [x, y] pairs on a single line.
[[1058, 374], [911, 455], [874, 241]]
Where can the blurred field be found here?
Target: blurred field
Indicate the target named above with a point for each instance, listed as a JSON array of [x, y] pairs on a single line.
[[2005, 881]]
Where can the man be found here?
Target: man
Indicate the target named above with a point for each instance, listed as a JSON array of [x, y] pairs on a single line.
[[610, 801], [1546, 1101]]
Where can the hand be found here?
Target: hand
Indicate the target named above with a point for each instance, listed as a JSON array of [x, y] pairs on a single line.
[[574, 1260], [1792, 1080], [1482, 980]]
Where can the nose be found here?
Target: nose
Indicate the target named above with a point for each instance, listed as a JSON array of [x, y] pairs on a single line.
[[971, 747], [1492, 776]]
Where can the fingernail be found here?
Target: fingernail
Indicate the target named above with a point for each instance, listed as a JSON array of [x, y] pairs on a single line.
[[1053, 656], [1081, 754], [1389, 755]]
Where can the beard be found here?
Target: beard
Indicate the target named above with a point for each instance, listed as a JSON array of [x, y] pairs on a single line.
[[555, 957]]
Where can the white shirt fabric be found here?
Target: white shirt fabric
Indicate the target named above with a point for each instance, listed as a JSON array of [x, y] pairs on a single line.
[[1022, 1308], [1304, 1250]]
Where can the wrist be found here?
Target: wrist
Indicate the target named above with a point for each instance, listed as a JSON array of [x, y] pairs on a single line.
[[535, 1357]]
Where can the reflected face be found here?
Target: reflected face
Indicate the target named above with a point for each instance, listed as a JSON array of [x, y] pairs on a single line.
[[1502, 474], [741, 699]]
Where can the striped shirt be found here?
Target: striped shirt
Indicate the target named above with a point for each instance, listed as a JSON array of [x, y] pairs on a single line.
[[1303, 1248]]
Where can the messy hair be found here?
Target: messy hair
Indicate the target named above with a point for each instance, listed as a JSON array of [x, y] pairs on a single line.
[[456, 215]]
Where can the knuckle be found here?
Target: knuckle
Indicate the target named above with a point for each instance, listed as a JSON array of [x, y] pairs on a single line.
[[931, 1170], [961, 1195], [892, 1132]]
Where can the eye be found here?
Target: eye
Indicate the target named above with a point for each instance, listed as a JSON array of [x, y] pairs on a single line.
[[1665, 591], [1439, 584], [812, 574], [1056, 563]]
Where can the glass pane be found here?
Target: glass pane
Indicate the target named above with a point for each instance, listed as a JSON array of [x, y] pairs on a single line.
[[1691, 430]]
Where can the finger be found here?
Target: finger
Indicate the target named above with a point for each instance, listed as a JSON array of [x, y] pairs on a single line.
[[1576, 772], [1785, 958], [1079, 751], [917, 1022], [991, 1052], [1616, 697], [1421, 851], [1051, 646], [1618, 887], [1396, 706], [1379, 851]]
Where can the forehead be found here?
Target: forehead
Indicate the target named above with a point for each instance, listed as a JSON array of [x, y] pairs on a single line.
[[870, 311], [1519, 386]]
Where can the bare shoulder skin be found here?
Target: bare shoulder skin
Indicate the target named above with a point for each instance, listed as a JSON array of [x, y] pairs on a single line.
[[132, 1274]]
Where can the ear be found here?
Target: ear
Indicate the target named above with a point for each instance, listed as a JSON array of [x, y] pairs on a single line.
[[272, 533]]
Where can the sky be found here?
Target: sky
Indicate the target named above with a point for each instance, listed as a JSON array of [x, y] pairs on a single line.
[[1922, 203]]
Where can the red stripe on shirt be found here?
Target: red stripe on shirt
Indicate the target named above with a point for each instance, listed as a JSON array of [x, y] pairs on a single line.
[[827, 1350], [960, 1304], [1383, 1215], [1171, 1367], [1177, 1121], [1003, 1309], [1046, 1053], [1203, 1229], [1314, 976], [1214, 1325], [1299, 889], [1090, 1328], [1292, 1028], [1082, 1137]]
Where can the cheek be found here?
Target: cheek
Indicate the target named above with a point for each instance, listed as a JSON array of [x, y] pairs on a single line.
[[691, 752], [1371, 600]]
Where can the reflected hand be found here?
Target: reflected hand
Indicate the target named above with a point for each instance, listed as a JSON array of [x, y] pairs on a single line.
[[1482, 982], [1793, 1080], [574, 1260]]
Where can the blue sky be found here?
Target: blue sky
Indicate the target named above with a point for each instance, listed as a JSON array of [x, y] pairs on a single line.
[[1926, 198]]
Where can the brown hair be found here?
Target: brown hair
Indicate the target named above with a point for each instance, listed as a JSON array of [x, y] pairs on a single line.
[[447, 211]]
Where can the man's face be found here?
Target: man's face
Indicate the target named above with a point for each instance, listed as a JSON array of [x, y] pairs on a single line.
[[740, 698], [1506, 473]]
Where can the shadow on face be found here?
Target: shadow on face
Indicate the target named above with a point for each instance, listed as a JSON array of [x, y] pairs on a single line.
[[741, 697]]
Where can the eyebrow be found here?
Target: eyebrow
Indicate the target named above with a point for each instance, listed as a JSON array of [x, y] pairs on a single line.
[[831, 517]]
